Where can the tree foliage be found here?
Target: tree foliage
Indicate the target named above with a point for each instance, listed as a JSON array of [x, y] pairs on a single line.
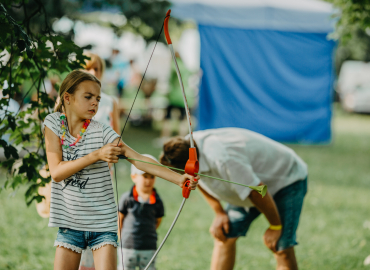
[[142, 17], [354, 15], [352, 30], [29, 53], [357, 47]]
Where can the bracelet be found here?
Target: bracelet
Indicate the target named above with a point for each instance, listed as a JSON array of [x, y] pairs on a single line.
[[276, 227]]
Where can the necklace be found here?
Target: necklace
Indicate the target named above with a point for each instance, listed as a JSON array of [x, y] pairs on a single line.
[[63, 118]]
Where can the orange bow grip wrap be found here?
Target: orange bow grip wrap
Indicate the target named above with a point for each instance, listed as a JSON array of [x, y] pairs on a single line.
[[166, 33], [191, 167]]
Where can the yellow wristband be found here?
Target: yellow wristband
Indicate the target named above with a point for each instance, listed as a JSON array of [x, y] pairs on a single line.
[[276, 227]]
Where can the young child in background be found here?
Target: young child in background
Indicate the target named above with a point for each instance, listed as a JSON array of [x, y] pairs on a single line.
[[108, 113], [78, 151], [140, 214]]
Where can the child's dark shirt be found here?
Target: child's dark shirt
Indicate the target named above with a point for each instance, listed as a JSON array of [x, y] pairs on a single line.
[[139, 224]]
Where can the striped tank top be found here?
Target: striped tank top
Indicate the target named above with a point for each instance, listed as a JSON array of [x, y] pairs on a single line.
[[85, 200]]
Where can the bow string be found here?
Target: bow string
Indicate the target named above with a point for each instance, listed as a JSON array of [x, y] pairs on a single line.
[[123, 129]]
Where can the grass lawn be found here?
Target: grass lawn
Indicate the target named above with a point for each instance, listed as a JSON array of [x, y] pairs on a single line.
[[334, 231]]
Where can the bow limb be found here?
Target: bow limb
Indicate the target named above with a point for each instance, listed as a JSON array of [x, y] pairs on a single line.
[[167, 234], [169, 42], [192, 165], [123, 129]]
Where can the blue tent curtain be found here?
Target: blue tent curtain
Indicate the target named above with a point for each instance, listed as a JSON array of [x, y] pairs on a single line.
[[277, 83]]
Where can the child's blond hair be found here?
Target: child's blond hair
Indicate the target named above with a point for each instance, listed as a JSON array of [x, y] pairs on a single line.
[[94, 58]]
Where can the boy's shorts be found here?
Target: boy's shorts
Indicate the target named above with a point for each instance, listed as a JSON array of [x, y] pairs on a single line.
[[288, 200], [133, 258], [80, 240]]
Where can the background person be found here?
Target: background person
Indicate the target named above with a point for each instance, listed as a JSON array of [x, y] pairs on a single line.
[[108, 112], [140, 213], [120, 67], [246, 157]]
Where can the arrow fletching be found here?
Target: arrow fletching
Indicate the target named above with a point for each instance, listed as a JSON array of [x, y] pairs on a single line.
[[260, 189]]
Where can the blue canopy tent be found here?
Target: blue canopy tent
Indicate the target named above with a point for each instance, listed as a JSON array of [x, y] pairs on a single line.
[[267, 66]]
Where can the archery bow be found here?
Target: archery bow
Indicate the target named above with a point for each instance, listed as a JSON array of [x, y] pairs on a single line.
[[123, 129], [192, 165]]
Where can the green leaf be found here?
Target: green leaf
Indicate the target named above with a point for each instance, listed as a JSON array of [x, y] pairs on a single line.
[[6, 92], [30, 192], [38, 198], [3, 143], [13, 151], [8, 164], [21, 45], [25, 137], [17, 180], [11, 122]]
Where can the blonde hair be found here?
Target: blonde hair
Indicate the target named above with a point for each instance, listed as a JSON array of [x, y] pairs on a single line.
[[70, 85], [94, 59]]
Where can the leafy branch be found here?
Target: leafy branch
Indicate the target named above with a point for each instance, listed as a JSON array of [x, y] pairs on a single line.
[[32, 56]]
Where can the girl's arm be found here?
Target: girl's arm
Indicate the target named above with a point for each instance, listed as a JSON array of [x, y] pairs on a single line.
[[162, 172], [61, 170]]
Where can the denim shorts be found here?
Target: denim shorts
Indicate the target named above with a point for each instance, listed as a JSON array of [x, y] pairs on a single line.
[[80, 240], [288, 200]]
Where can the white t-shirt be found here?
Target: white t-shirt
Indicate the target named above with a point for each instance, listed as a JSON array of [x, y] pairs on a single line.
[[246, 157], [85, 200]]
